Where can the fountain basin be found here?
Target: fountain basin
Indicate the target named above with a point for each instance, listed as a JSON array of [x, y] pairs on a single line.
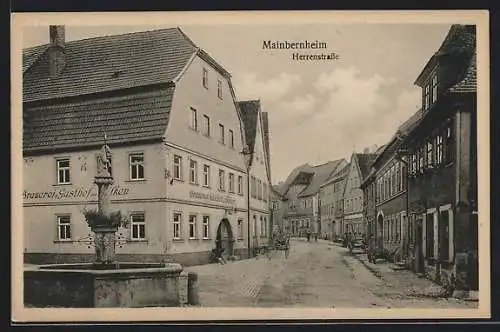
[[103, 285]]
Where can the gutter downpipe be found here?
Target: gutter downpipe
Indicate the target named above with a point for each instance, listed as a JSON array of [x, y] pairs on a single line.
[[248, 212]]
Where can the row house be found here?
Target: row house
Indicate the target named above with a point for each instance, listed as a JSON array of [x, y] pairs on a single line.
[[331, 204], [353, 196], [385, 190], [422, 189], [169, 114], [442, 156], [257, 151]]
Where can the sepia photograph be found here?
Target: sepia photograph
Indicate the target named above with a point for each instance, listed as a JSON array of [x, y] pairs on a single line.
[[199, 166]]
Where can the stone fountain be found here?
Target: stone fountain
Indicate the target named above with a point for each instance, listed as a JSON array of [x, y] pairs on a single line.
[[105, 282]]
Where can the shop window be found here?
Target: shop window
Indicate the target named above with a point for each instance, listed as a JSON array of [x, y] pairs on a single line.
[[444, 235], [192, 226], [138, 226], [64, 228], [136, 163], [177, 225], [63, 171], [206, 227]]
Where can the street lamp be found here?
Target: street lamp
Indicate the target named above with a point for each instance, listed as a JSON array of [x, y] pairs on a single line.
[[247, 155]]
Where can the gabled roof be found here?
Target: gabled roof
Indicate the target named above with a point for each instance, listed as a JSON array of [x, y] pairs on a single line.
[[31, 55], [365, 161], [108, 63], [249, 111], [97, 68], [320, 174], [339, 174], [60, 126], [460, 40], [469, 82], [291, 177]]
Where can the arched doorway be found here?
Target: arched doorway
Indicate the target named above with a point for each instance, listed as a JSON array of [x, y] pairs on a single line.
[[380, 231], [224, 239]]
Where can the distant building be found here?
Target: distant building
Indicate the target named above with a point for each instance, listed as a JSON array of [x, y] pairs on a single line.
[[257, 138], [331, 204], [169, 112], [353, 194], [301, 191], [385, 197], [442, 152]]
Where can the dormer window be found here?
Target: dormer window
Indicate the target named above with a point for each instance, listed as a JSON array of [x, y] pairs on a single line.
[[430, 91]]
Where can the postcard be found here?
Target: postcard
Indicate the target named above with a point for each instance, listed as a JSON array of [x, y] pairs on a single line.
[[215, 166]]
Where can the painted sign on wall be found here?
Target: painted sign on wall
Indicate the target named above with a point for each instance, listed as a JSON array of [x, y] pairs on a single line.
[[212, 197], [71, 193]]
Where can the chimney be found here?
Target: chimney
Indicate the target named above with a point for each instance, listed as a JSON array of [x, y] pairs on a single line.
[[56, 51]]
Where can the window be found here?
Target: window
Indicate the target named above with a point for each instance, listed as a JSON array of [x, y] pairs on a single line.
[[193, 171], [240, 229], [63, 171], [259, 190], [444, 235], [194, 120], [177, 225], [434, 86], [222, 184], [253, 188], [136, 166], [231, 182], [192, 226], [205, 78], [398, 177], [240, 184], [221, 131], [439, 149], [449, 145], [265, 193], [206, 125], [206, 175], [206, 227], [421, 160], [138, 225], [427, 97], [219, 89], [429, 154], [231, 138], [177, 167], [63, 228]]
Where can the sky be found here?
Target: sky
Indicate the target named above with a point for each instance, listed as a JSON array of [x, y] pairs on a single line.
[[319, 111]]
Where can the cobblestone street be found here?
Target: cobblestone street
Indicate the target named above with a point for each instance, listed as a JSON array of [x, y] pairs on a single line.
[[316, 274]]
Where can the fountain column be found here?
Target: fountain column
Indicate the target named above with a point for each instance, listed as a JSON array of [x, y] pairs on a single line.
[[104, 233]]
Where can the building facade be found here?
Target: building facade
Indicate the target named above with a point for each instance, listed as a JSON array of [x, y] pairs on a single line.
[[177, 140], [256, 131], [331, 201], [442, 152], [301, 192], [353, 194]]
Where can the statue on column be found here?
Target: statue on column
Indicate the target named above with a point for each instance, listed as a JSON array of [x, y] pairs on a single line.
[[104, 161]]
